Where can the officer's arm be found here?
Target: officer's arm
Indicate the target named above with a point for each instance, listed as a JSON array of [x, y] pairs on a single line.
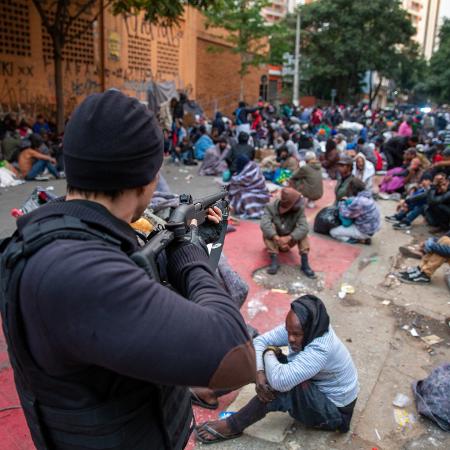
[[114, 316]]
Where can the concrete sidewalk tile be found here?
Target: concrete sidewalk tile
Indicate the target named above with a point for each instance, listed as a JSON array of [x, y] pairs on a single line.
[[273, 428]]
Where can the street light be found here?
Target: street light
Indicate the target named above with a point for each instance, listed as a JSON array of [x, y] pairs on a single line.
[[296, 88]]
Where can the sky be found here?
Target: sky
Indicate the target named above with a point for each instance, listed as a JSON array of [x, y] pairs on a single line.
[[445, 8]]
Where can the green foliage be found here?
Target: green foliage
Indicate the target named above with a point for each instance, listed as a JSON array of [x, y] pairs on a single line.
[[163, 12], [246, 29], [438, 80], [282, 39], [343, 39]]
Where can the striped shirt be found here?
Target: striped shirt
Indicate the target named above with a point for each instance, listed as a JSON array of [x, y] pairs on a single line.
[[325, 361]]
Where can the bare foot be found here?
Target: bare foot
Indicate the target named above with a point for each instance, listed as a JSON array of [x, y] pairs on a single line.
[[221, 426]]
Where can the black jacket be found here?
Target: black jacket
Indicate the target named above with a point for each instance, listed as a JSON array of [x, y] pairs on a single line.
[[95, 321]]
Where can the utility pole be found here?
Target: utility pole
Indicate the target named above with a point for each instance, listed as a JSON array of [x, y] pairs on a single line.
[[296, 87]]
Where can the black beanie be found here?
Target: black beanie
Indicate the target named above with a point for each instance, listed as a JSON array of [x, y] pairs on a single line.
[[112, 142]]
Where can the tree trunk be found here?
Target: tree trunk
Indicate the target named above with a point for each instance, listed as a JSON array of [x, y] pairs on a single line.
[[59, 83], [370, 89], [377, 90]]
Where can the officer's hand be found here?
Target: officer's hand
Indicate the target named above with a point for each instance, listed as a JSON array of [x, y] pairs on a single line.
[[215, 215]]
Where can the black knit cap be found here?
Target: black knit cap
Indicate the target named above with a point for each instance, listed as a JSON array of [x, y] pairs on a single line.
[[112, 142]]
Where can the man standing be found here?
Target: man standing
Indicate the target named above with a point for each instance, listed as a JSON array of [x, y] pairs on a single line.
[[101, 353], [241, 118], [284, 226]]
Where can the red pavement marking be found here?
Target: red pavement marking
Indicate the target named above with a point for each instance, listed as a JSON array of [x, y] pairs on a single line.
[[245, 252]]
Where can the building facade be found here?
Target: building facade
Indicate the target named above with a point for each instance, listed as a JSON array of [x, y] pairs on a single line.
[[424, 15], [197, 59]]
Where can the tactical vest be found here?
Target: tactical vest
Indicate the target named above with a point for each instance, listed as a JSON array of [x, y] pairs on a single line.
[[149, 416]]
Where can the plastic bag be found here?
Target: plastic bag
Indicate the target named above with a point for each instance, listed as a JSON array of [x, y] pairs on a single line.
[[326, 219]]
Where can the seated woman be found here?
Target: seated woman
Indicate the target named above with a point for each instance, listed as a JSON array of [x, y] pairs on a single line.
[[214, 162], [398, 178], [247, 192], [364, 170], [363, 213], [317, 383]]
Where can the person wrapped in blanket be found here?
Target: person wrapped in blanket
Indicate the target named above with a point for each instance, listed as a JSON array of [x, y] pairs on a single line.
[[214, 162], [359, 214], [316, 383], [247, 192]]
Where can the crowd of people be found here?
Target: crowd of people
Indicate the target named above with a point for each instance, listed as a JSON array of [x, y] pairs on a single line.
[[29, 152]]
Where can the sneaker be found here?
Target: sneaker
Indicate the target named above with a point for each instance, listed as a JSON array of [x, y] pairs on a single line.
[[410, 271], [41, 178], [392, 219], [415, 278], [401, 226], [384, 196], [395, 196], [367, 241]]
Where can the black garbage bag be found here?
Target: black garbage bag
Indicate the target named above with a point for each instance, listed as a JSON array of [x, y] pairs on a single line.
[[326, 219], [433, 396]]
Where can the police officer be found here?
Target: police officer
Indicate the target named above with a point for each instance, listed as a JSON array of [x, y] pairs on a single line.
[[101, 353]]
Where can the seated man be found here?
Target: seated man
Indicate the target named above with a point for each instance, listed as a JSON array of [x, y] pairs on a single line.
[[436, 252], [437, 211], [412, 206], [33, 163], [317, 383], [284, 226], [361, 214], [308, 180], [345, 169]]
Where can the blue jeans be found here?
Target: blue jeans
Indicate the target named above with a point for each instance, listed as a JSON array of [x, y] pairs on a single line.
[[411, 215], [38, 167]]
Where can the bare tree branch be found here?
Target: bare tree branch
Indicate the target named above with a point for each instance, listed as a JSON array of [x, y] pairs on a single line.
[[87, 5], [43, 15]]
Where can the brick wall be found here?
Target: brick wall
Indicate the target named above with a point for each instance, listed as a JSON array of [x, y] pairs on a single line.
[[218, 82]]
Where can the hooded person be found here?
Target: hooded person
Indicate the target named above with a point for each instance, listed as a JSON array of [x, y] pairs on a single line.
[[316, 383], [242, 148], [308, 180], [364, 170], [284, 226], [214, 162]]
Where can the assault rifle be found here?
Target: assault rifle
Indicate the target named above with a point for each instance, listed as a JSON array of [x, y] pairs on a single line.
[[176, 228]]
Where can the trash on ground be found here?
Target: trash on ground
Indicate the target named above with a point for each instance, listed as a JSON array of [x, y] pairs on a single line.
[[401, 400], [366, 261], [280, 291], [226, 414], [341, 295], [432, 339], [189, 177], [414, 332], [255, 306], [378, 434], [386, 302], [347, 288], [403, 418]]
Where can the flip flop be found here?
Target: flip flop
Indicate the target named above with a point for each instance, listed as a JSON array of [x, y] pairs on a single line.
[[219, 437], [196, 400]]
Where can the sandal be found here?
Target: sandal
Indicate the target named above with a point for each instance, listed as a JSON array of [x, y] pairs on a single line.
[[219, 437], [196, 400]]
